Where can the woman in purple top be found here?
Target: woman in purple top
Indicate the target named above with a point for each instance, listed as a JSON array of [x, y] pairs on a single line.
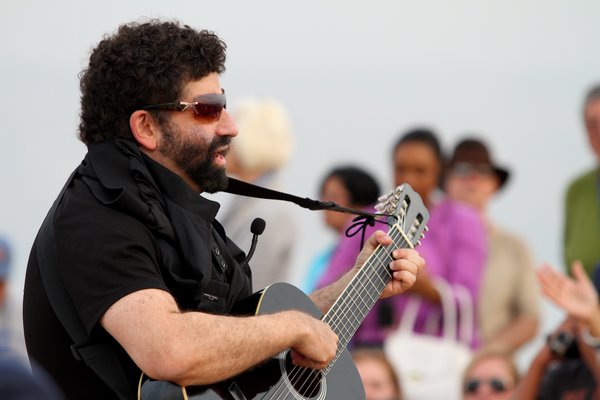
[[350, 187], [454, 248]]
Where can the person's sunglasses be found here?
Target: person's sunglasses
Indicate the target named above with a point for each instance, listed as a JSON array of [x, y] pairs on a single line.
[[496, 384], [463, 169], [207, 107]]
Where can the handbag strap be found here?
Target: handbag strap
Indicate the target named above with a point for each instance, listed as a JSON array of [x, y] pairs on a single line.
[[410, 312], [466, 312], [409, 315], [448, 309], [464, 317]]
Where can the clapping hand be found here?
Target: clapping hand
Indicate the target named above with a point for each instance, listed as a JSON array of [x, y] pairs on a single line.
[[577, 296]]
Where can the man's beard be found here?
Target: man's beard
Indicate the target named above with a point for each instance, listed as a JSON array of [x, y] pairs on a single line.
[[195, 158]]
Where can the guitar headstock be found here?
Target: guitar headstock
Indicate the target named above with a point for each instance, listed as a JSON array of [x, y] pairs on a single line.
[[405, 210]]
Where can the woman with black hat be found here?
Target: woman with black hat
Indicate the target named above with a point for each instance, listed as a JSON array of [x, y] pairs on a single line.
[[508, 303]]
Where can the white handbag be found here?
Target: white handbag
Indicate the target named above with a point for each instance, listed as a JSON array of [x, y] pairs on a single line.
[[431, 367]]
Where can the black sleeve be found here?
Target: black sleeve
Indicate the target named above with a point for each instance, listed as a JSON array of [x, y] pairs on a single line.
[[103, 255]]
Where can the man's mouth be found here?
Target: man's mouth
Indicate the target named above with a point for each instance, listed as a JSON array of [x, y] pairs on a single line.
[[221, 152]]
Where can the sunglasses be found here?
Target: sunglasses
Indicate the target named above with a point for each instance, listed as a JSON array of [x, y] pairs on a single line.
[[463, 169], [207, 107], [496, 384]]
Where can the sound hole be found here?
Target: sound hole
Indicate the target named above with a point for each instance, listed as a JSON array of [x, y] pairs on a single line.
[[306, 381]]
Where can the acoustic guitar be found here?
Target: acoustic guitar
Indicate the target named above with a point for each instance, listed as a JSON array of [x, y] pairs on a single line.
[[278, 378]]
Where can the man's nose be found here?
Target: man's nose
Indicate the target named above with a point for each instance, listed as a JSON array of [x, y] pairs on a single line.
[[227, 125]]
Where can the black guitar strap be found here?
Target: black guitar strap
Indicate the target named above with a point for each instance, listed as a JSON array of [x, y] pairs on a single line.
[[242, 188], [99, 356], [363, 218]]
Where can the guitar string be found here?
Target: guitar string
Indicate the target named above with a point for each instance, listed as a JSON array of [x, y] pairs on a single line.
[[364, 285], [383, 275], [366, 273], [361, 280], [361, 303], [296, 371], [377, 253], [384, 279], [350, 301], [295, 374]]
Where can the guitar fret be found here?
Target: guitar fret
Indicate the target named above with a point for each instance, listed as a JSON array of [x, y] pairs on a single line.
[[358, 298]]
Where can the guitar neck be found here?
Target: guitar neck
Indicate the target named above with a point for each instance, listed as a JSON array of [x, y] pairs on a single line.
[[365, 288]]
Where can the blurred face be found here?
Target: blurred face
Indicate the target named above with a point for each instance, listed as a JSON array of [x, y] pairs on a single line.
[[2, 293], [378, 383], [334, 190], [416, 163], [491, 379], [592, 125], [471, 184]]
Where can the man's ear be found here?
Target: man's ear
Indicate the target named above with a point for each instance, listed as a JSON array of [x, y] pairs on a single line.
[[144, 129]]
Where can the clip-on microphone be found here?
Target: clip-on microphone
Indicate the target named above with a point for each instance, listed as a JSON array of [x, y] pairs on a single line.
[[257, 228]]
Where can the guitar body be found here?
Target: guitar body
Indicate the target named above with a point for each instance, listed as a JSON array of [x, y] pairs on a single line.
[[277, 378]]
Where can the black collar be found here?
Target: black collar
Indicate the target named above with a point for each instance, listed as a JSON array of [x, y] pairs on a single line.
[[178, 191]]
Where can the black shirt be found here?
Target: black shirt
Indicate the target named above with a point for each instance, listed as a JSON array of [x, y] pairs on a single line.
[[105, 254]]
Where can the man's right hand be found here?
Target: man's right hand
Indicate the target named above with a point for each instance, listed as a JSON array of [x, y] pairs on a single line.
[[317, 343]]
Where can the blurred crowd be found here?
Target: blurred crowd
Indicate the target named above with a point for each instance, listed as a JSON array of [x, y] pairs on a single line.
[[475, 304], [480, 284]]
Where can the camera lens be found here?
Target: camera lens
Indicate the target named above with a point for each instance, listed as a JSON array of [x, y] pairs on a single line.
[[560, 343]]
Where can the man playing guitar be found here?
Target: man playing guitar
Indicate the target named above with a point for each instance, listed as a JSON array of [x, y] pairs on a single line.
[[150, 273]]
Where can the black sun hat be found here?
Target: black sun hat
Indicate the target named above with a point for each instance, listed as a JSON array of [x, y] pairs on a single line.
[[474, 151]]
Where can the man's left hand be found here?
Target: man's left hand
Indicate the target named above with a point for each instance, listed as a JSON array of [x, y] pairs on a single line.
[[405, 265]]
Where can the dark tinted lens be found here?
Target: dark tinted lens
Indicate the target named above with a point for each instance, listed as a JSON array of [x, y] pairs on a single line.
[[208, 111], [467, 169], [497, 385], [210, 106], [472, 385], [461, 169], [483, 169]]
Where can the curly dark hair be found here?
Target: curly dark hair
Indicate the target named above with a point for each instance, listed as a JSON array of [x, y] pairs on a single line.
[[142, 63]]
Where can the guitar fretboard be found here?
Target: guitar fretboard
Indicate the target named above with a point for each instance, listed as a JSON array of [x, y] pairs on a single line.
[[359, 297]]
